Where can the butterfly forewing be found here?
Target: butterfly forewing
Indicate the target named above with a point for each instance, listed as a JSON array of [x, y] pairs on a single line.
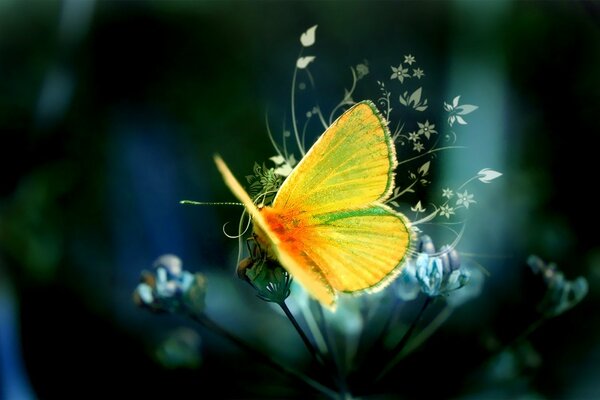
[[351, 165]]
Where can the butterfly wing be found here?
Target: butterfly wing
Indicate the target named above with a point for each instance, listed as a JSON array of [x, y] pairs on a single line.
[[348, 250], [328, 214], [321, 289], [350, 165], [328, 226]]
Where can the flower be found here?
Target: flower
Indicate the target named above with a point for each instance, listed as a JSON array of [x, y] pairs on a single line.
[[426, 128], [418, 73], [447, 193], [471, 288], [270, 280], [414, 136], [169, 288], [464, 199], [409, 59], [418, 146], [430, 273], [362, 70], [446, 211], [399, 73], [457, 110], [561, 294]]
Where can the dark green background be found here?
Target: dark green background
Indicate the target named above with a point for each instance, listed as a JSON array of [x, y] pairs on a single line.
[[110, 113]]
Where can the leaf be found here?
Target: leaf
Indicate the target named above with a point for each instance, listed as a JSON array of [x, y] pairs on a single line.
[[460, 120], [455, 101], [486, 175], [424, 169], [451, 120], [421, 108], [418, 207], [308, 38], [304, 61], [278, 160], [403, 100], [283, 170], [292, 160], [465, 109], [448, 107], [415, 98]]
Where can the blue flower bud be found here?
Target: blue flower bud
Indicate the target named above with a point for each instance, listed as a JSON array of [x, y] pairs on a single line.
[[425, 245], [430, 274]]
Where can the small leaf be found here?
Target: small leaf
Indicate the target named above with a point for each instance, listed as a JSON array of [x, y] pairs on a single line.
[[448, 107], [451, 120], [283, 170], [455, 101], [415, 98], [403, 100], [418, 207], [421, 108], [424, 168], [278, 160], [292, 160], [308, 38], [412, 175], [394, 203], [465, 109], [486, 175], [304, 61], [460, 120]]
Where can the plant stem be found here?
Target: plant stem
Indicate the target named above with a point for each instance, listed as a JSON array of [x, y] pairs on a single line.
[[396, 351], [426, 332], [341, 374], [293, 107], [313, 351], [211, 325]]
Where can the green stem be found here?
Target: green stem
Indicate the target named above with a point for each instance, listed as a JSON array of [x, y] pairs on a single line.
[[429, 152], [293, 106], [426, 332], [341, 376], [313, 351], [396, 351], [211, 325]]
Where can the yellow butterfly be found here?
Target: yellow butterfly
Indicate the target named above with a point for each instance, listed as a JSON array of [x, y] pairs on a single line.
[[328, 225]]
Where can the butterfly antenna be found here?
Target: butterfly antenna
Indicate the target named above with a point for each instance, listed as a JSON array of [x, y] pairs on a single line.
[[210, 203]]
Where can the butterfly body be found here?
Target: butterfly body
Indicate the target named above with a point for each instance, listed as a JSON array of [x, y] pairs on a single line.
[[328, 224]]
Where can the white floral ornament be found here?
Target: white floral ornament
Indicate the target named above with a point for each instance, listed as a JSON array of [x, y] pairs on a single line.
[[303, 62], [399, 73], [426, 129], [457, 110], [418, 207], [464, 199], [446, 211], [308, 38], [487, 175], [284, 167]]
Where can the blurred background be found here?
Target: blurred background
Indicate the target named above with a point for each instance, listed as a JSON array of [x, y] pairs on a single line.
[[110, 113]]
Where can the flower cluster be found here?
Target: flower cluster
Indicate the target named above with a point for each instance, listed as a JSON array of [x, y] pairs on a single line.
[[434, 274], [561, 294], [169, 288]]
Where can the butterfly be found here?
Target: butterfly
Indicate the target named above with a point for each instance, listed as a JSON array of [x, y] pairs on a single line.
[[328, 225]]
